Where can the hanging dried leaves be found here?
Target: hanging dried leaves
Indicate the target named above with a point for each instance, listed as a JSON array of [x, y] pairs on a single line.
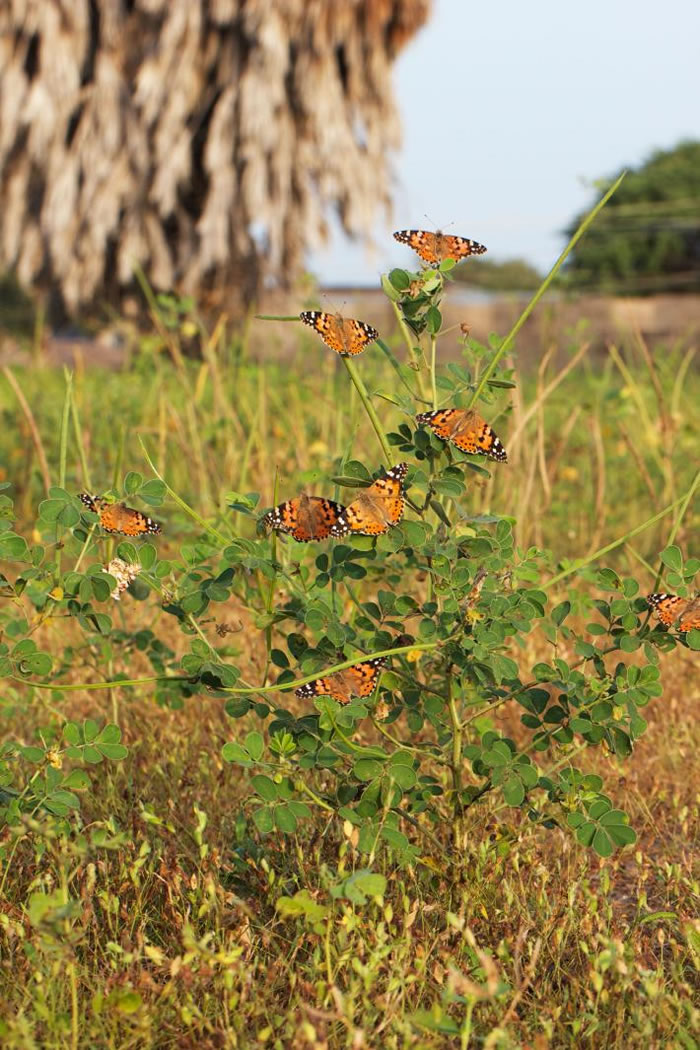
[[201, 139]]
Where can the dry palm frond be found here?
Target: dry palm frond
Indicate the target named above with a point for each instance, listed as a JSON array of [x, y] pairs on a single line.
[[204, 140]]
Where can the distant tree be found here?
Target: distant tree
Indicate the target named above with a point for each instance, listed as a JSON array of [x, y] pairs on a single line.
[[513, 275], [205, 141], [647, 238]]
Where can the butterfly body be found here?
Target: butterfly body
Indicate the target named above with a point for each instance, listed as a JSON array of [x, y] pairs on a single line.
[[345, 335], [304, 518], [671, 608], [358, 680], [467, 430], [117, 517], [377, 509], [434, 248]]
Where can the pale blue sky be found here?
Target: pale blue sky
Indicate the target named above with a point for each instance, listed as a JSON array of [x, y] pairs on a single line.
[[510, 109]]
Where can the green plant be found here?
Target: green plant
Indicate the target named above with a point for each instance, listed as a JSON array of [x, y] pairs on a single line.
[[446, 595]]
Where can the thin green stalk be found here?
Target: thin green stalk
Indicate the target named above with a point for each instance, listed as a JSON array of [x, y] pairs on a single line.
[[369, 407], [411, 346], [283, 688], [583, 562], [507, 342], [433, 377], [396, 365], [62, 460], [684, 504], [181, 503], [79, 443], [456, 767]]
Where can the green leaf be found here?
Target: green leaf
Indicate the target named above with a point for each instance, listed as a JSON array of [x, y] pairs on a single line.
[[672, 558], [285, 819], [13, 547], [514, 791], [132, 482], [266, 788], [560, 612], [367, 768], [255, 745], [602, 844], [233, 752], [404, 776], [114, 752], [264, 820], [71, 733], [302, 903]]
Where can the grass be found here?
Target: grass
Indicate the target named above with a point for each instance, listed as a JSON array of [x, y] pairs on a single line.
[[165, 929]]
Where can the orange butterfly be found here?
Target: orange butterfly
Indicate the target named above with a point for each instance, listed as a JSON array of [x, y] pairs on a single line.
[[116, 517], [305, 518], [358, 680], [434, 248], [343, 334], [377, 509], [670, 608], [467, 430]]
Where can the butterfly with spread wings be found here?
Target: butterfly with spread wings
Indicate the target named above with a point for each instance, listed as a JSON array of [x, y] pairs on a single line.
[[116, 517], [305, 517], [671, 609], [377, 508], [467, 430], [345, 335], [434, 248], [358, 680]]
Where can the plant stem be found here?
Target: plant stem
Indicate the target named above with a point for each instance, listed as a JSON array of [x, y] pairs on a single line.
[[506, 344], [411, 346], [433, 379], [397, 367], [369, 407], [456, 766], [181, 503], [583, 562]]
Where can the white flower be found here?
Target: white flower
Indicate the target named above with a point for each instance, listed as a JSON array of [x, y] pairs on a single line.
[[123, 573]]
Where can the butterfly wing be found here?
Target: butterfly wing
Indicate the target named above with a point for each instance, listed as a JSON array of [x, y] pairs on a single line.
[[304, 518], [118, 518], [89, 502], [666, 606], [378, 509], [465, 429], [434, 248], [364, 677], [332, 686], [344, 335], [458, 247], [690, 617], [358, 680], [422, 241]]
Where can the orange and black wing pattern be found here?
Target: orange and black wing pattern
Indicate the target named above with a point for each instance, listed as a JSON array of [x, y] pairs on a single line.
[[377, 509], [345, 335], [358, 680], [434, 248], [467, 430], [116, 517], [671, 608], [304, 518]]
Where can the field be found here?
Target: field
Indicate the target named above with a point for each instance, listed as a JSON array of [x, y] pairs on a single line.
[[163, 910]]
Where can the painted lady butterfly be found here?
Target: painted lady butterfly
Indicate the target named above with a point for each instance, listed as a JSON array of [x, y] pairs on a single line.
[[358, 680], [377, 508], [466, 429], [304, 518], [434, 248], [116, 517], [670, 608], [343, 334]]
